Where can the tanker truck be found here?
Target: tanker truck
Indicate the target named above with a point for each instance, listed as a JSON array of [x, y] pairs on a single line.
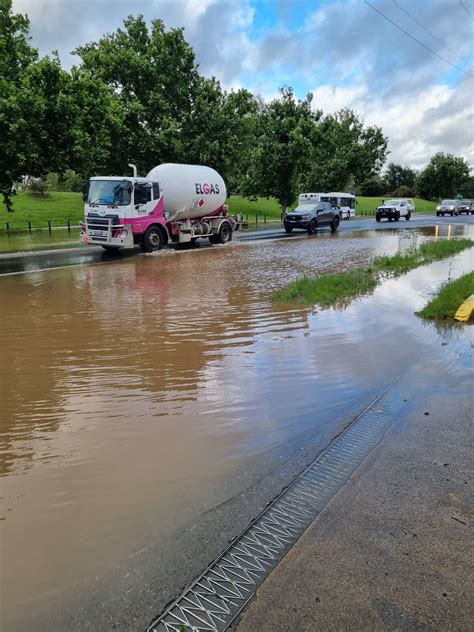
[[174, 204]]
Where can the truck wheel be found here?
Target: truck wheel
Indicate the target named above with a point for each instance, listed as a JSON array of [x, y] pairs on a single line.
[[288, 228], [334, 224], [313, 226], [397, 216], [408, 215], [225, 233], [377, 218], [152, 240]]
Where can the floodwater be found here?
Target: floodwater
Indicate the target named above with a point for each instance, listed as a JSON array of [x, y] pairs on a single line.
[[138, 396], [38, 239]]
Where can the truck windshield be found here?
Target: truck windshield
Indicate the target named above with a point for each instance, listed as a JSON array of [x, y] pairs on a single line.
[[392, 203], [109, 192], [305, 208]]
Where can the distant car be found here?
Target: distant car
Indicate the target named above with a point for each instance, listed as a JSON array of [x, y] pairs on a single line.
[[466, 206], [312, 215], [448, 207], [394, 209]]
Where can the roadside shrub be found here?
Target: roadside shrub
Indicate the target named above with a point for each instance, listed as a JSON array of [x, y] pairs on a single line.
[[403, 192]]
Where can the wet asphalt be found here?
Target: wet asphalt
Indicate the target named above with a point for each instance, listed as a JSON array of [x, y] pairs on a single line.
[[36, 261]]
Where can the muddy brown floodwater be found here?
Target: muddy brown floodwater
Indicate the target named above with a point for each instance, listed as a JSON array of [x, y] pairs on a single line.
[[135, 397]]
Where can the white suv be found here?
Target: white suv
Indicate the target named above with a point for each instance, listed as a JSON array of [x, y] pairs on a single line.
[[394, 209]]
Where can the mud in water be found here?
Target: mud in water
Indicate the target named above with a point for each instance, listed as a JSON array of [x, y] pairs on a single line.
[[136, 396]]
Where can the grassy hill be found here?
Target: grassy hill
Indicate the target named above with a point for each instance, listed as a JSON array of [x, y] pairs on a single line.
[[58, 208]]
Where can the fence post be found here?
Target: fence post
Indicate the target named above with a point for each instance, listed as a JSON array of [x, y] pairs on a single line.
[[8, 227], [29, 226], [264, 218], [68, 226], [256, 218], [49, 226]]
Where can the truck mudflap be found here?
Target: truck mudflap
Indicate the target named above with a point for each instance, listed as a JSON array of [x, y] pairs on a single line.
[[103, 232]]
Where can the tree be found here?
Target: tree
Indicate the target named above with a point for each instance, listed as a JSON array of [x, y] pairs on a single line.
[[16, 55], [373, 186], [343, 150], [442, 177], [50, 120], [154, 76], [396, 176], [282, 148]]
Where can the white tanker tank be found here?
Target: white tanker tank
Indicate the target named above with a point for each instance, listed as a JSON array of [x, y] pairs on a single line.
[[189, 191], [174, 204]]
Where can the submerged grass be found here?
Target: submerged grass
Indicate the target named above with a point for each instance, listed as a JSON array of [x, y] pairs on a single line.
[[328, 288], [449, 298], [426, 253], [331, 289]]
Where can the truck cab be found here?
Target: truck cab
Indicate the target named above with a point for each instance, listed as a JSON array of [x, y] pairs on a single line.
[[118, 210]]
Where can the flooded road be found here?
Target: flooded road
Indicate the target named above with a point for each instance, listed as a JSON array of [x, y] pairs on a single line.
[[145, 399]]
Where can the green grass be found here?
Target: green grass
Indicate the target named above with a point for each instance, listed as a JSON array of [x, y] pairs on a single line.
[[340, 287], [449, 299], [328, 289], [367, 205], [58, 208], [426, 253]]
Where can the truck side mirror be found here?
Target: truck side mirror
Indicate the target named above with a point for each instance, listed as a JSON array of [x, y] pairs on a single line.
[[85, 191]]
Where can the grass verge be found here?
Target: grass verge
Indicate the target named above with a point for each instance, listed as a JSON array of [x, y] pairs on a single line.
[[449, 298], [341, 287]]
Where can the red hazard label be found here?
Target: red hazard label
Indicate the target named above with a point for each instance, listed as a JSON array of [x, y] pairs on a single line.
[[201, 202]]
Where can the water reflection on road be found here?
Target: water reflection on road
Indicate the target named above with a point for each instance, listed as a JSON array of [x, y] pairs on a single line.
[[136, 395]]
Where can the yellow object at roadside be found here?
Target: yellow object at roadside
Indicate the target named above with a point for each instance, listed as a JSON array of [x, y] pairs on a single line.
[[466, 310]]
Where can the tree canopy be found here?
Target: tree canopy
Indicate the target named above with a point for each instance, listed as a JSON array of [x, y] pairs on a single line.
[[137, 96], [442, 177]]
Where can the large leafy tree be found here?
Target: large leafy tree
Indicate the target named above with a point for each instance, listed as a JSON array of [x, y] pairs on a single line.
[[16, 55], [154, 76], [396, 176], [344, 150], [442, 177], [282, 148], [50, 120]]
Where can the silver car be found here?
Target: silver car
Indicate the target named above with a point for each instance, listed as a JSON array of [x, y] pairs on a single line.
[[448, 207], [311, 216]]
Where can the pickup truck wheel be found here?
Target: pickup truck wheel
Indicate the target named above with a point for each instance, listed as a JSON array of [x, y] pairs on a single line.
[[397, 216], [334, 224], [288, 228], [225, 233], [152, 240], [377, 218], [313, 225], [408, 215]]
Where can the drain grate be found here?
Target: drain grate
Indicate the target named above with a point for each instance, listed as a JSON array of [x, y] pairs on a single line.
[[221, 592]]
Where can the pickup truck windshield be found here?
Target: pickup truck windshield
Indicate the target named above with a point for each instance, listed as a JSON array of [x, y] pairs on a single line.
[[109, 192], [448, 202], [392, 203], [305, 208]]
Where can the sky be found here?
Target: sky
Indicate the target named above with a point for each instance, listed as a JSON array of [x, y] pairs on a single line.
[[345, 52]]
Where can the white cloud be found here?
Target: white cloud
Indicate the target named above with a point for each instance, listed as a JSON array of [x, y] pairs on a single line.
[[418, 124]]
